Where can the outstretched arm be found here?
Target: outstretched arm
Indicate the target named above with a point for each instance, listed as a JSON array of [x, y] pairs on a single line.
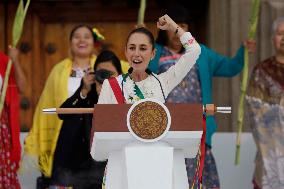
[[176, 73], [227, 67]]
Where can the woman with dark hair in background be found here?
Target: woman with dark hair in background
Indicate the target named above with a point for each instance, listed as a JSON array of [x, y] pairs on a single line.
[[107, 64], [196, 87], [73, 165]]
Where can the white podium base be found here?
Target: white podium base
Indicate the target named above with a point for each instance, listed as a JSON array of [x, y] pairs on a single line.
[[106, 142], [146, 166]]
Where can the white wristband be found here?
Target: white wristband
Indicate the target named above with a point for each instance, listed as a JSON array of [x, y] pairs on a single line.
[[187, 40]]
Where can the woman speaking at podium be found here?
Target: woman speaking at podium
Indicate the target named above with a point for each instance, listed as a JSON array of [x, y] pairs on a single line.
[[140, 83]]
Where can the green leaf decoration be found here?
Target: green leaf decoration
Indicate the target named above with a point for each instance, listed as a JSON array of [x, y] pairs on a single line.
[[138, 92], [141, 13], [19, 21], [251, 35]]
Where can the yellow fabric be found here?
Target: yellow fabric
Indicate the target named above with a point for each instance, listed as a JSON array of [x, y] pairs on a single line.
[[42, 138], [125, 66], [98, 34]]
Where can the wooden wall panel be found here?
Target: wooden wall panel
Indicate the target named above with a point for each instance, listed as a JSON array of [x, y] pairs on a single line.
[[2, 28], [37, 63], [26, 63], [53, 36], [11, 9]]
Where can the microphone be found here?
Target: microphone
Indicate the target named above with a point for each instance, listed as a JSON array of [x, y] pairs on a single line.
[[149, 72], [130, 70]]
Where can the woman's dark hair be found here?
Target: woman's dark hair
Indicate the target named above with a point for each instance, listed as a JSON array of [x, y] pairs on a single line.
[[179, 15], [107, 55], [145, 32], [82, 26]]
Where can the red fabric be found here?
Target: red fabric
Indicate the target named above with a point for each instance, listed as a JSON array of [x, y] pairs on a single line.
[[8, 170], [202, 149], [255, 185], [200, 165], [12, 101], [116, 90]]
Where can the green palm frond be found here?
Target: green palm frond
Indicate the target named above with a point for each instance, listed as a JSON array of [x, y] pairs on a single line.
[[141, 13], [251, 35], [19, 21]]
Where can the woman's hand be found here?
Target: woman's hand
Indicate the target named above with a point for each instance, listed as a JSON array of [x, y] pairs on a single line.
[[166, 23], [250, 44], [14, 54], [88, 80]]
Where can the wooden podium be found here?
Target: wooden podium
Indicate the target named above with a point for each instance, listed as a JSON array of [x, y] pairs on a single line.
[[133, 164]]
